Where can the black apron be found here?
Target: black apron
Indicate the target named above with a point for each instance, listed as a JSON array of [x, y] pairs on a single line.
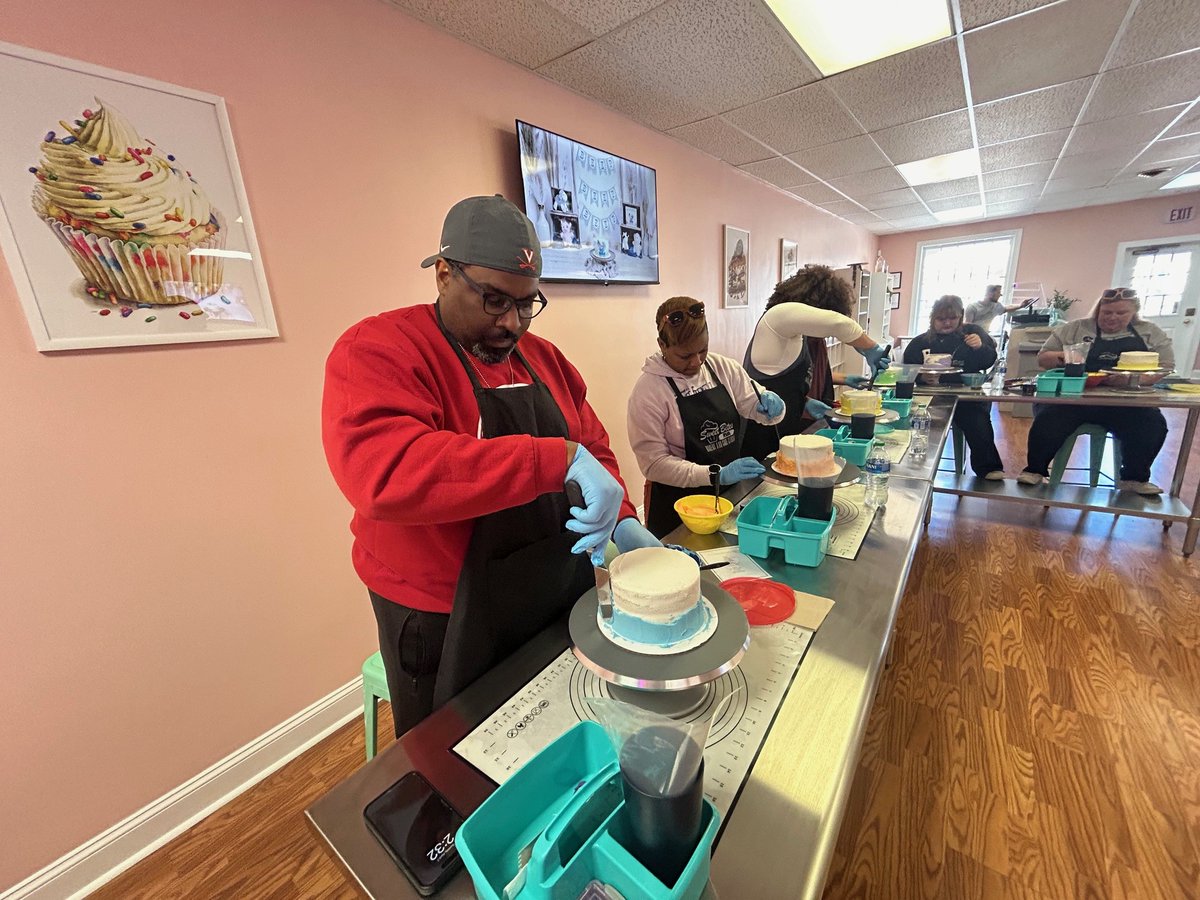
[[1105, 354], [792, 384], [519, 574], [712, 433]]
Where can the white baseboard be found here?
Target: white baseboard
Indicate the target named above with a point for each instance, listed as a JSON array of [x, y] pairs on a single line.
[[105, 856]]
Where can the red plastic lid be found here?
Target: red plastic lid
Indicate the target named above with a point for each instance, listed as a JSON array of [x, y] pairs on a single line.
[[765, 601]]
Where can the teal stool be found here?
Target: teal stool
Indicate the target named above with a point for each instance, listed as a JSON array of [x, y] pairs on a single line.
[[374, 689], [1098, 435]]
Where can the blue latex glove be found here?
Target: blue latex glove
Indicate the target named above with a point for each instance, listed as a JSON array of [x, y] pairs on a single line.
[[857, 381], [632, 535], [692, 553], [770, 405], [877, 357], [816, 409], [740, 470], [602, 496]]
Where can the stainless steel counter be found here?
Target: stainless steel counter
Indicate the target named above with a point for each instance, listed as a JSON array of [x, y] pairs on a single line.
[[782, 830]]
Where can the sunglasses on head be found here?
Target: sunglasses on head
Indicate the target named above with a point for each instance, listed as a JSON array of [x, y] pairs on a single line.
[[1118, 294], [695, 311]]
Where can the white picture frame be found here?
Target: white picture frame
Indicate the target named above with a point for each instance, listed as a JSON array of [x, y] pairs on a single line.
[[735, 270], [789, 259], [202, 282]]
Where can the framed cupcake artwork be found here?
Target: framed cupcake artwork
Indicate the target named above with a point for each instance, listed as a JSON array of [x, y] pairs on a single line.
[[123, 217]]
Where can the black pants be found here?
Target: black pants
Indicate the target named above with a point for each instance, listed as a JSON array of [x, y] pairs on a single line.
[[1141, 432], [975, 419], [410, 642]]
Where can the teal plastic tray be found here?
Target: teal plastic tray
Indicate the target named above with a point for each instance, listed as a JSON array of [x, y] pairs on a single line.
[[1055, 383], [768, 522], [568, 800], [904, 407], [854, 450]]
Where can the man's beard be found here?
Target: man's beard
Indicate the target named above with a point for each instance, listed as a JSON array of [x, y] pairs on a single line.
[[490, 355]]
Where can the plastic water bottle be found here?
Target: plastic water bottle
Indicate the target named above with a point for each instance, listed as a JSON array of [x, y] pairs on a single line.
[[998, 377], [918, 444], [877, 469]]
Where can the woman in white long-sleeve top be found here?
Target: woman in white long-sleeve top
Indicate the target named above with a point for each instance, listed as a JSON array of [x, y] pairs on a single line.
[[688, 411], [787, 351]]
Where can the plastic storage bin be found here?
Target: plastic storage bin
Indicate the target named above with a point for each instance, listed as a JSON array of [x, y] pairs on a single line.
[[853, 450], [768, 522], [1055, 383], [568, 800]]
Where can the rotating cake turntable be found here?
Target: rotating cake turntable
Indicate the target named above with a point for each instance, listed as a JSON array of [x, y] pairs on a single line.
[[848, 473], [1133, 378], [671, 684]]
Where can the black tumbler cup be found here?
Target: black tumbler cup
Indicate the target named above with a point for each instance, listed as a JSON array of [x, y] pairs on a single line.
[[1073, 370], [904, 390], [662, 830], [862, 425], [814, 502]]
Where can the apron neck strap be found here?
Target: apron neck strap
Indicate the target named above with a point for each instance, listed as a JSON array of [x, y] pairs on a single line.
[[462, 357]]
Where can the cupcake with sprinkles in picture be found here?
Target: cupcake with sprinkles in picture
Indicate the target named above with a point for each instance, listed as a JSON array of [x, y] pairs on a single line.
[[128, 213]]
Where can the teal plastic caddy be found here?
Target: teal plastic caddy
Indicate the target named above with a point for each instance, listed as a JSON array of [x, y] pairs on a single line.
[[1054, 383], [567, 800], [768, 522], [853, 450]]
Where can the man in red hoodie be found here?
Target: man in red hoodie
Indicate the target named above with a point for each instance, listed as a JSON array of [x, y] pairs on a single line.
[[453, 446]]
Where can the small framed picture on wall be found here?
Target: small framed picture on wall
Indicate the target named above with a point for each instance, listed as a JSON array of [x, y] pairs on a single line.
[[894, 300], [894, 281], [736, 291], [789, 259]]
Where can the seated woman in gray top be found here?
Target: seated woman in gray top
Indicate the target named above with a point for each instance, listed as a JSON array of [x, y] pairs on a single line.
[[1113, 327]]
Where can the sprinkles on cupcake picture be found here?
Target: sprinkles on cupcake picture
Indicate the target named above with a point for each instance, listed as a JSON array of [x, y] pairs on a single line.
[[128, 216]]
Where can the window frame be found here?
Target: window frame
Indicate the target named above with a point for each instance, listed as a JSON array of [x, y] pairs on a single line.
[[916, 328]]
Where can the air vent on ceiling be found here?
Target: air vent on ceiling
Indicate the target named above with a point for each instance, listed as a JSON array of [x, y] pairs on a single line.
[[1153, 173]]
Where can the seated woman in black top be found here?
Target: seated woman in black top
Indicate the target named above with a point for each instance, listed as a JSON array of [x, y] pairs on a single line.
[[973, 350]]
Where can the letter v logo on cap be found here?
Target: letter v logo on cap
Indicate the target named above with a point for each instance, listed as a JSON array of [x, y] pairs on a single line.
[[527, 263]]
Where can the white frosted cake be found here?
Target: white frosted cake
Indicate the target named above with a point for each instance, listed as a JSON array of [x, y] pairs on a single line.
[[1138, 360], [938, 360], [656, 596], [864, 401], [813, 455]]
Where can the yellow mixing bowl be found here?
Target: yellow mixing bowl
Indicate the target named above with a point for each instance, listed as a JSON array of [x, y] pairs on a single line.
[[698, 514]]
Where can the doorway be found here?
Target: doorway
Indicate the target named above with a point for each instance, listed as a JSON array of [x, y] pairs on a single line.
[[1166, 275]]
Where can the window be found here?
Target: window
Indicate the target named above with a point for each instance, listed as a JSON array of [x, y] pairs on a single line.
[[965, 267], [1160, 276]]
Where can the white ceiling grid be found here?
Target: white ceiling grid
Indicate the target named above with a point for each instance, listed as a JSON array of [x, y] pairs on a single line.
[[1069, 98]]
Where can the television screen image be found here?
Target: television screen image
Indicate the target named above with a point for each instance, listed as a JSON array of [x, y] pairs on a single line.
[[596, 213]]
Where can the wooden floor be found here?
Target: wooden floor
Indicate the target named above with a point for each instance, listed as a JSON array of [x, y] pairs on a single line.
[[1037, 734]]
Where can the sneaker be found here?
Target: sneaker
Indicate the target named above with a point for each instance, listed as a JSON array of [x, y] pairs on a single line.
[[1030, 478], [998, 475], [1145, 488]]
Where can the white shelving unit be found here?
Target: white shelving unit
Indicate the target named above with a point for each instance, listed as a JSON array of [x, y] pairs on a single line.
[[871, 310]]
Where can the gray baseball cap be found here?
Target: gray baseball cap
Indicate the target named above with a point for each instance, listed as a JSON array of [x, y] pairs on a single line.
[[489, 232]]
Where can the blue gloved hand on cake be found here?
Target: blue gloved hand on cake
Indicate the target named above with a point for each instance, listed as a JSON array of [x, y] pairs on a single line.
[[692, 553], [602, 496], [816, 409], [740, 470], [770, 405], [877, 357], [632, 535], [857, 381]]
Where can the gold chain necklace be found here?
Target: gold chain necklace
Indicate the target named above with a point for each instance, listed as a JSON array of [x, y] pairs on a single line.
[[512, 378]]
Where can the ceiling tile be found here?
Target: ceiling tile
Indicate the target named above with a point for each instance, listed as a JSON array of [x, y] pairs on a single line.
[[718, 138], [841, 207], [928, 137], [599, 72], [1177, 164], [1152, 85], [779, 172], [862, 217], [601, 18], [872, 182], [1098, 159], [1174, 148], [1189, 124], [858, 154], [914, 222], [1029, 52], [1070, 183], [807, 117], [729, 53], [954, 188], [817, 193], [965, 200], [887, 199], [1034, 113], [1024, 192], [916, 84], [1037, 148], [980, 12], [1031, 174], [525, 31], [1010, 208], [1159, 28], [1138, 129], [895, 213]]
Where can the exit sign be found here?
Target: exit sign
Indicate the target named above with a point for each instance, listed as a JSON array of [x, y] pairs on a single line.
[[1180, 214]]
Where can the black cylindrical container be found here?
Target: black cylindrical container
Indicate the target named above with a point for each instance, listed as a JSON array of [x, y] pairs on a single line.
[[904, 390], [814, 502], [1073, 370], [662, 830], [862, 425]]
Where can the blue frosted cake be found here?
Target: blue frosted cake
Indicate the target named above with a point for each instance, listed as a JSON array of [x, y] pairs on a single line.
[[656, 597]]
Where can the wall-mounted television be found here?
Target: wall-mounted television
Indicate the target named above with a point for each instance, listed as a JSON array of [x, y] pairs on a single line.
[[596, 213]]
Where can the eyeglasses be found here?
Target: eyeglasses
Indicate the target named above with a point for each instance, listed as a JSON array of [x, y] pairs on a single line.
[[497, 304], [1118, 294], [695, 311]]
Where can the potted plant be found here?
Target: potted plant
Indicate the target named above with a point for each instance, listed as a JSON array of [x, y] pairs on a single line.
[[1060, 303]]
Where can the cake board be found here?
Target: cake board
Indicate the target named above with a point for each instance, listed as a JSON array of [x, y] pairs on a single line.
[[847, 474], [1134, 384]]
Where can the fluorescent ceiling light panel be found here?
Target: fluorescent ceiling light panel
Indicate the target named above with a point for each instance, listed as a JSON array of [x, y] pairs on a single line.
[[947, 167], [1187, 179], [959, 215], [840, 34]]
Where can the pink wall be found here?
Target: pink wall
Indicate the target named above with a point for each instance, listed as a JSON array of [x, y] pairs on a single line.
[[175, 557], [1073, 250]]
